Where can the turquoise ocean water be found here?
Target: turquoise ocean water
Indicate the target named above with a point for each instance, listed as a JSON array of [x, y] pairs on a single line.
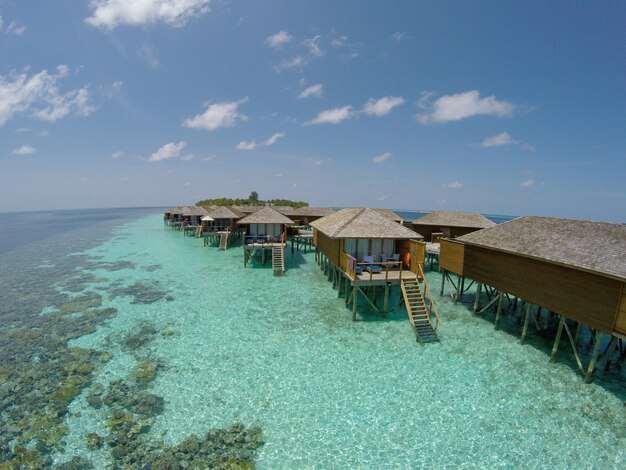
[[123, 342]]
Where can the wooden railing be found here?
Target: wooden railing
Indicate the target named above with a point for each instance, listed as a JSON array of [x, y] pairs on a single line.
[[350, 266], [263, 239], [432, 306]]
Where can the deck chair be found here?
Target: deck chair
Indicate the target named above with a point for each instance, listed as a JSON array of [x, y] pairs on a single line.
[[372, 268], [396, 259]]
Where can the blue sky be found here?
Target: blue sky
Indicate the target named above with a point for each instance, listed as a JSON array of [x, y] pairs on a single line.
[[497, 107]]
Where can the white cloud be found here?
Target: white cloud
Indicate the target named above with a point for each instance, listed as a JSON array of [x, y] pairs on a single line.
[[313, 161], [339, 41], [123, 179], [462, 105], [217, 115], [16, 29], [170, 150], [252, 144], [188, 183], [528, 147], [497, 140], [1, 22], [331, 116], [247, 145], [382, 106], [109, 14], [297, 61], [382, 157], [313, 90], [39, 97], [453, 185], [399, 36], [527, 183], [314, 46], [149, 55], [272, 140], [187, 158], [279, 39], [117, 154], [24, 150], [209, 158]]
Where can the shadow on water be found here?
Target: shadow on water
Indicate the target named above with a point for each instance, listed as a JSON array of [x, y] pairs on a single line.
[[512, 322]]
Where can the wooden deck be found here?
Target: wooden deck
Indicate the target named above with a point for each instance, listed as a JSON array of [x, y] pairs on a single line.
[[268, 245], [382, 278]]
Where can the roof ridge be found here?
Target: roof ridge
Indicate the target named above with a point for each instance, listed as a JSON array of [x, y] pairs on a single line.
[[360, 210]]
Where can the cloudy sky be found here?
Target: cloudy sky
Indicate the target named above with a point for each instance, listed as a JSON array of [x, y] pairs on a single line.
[[498, 107]]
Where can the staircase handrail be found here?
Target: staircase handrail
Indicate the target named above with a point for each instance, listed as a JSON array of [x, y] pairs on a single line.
[[430, 295]]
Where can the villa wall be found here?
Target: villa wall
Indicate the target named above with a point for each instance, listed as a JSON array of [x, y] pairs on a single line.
[[451, 256], [620, 318], [331, 248], [585, 297]]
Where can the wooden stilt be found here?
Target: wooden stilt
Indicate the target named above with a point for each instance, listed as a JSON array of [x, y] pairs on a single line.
[[594, 357], [357, 288], [610, 353], [557, 339], [477, 299], [386, 301], [499, 309], [444, 275], [339, 285], [579, 330], [354, 303], [525, 329], [458, 290], [346, 292]]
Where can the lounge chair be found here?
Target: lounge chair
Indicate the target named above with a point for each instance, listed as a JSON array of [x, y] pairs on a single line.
[[372, 268], [395, 258]]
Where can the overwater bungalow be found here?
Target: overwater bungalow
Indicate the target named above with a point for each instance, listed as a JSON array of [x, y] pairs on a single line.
[[570, 274], [177, 216], [301, 234], [265, 233], [191, 220], [449, 224], [391, 215], [167, 214], [361, 250], [220, 226], [248, 209], [307, 214]]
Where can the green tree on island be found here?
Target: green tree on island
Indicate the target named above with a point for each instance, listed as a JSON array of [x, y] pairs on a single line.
[[253, 200]]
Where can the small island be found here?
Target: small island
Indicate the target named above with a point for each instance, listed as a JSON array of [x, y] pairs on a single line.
[[252, 200]]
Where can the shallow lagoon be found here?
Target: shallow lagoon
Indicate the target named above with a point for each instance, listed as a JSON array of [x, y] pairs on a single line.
[[223, 344]]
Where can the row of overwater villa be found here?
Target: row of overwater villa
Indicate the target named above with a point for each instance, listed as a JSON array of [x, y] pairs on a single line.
[[567, 276]]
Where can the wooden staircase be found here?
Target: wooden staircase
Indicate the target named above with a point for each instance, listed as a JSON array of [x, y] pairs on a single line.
[[223, 240], [278, 260], [418, 311]]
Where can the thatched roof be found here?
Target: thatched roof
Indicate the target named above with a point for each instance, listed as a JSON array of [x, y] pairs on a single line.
[[199, 211], [225, 212], [248, 209], [170, 210], [599, 247], [454, 219], [181, 210], [391, 215], [307, 211], [266, 215], [362, 223]]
